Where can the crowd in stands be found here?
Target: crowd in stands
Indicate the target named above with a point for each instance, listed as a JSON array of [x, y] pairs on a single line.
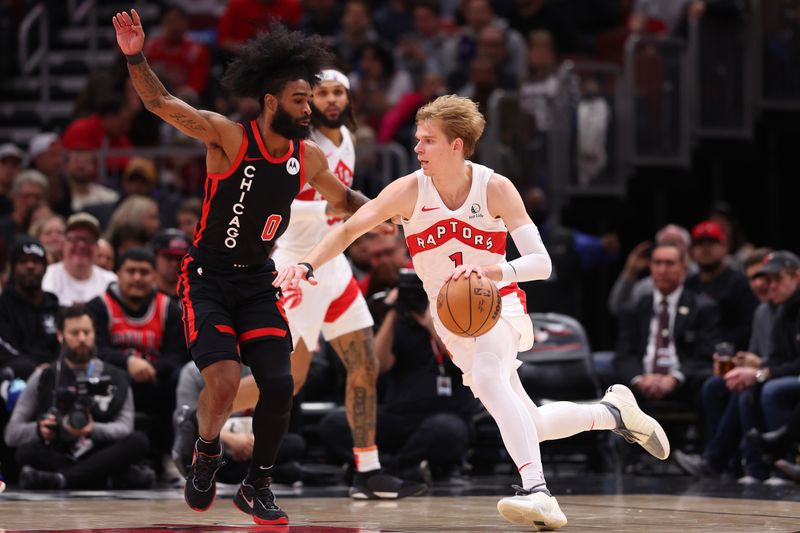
[[707, 322]]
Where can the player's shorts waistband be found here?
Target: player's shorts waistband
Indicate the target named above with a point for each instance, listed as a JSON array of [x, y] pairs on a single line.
[[219, 264]]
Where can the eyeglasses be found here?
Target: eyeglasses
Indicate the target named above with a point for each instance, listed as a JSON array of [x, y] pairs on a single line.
[[75, 239]]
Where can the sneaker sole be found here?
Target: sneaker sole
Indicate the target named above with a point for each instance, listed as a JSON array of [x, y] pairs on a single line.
[[657, 444], [408, 493], [524, 513], [283, 521], [198, 509]]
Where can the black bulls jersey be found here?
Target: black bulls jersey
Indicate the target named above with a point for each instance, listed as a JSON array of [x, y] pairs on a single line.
[[247, 208]]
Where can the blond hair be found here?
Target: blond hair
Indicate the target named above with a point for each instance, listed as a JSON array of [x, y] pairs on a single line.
[[460, 119], [130, 212]]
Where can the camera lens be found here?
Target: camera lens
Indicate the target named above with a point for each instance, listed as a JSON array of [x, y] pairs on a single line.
[[77, 419]]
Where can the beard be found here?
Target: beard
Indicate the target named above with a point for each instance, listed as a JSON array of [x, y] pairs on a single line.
[[80, 355], [284, 125], [320, 119], [710, 267]]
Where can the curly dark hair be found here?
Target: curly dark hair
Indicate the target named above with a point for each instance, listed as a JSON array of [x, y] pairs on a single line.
[[267, 62]]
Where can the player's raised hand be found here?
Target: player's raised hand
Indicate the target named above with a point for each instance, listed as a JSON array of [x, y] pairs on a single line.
[[130, 34], [290, 277]]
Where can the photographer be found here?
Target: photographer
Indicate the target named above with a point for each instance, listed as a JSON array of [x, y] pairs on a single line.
[[73, 425], [427, 410]]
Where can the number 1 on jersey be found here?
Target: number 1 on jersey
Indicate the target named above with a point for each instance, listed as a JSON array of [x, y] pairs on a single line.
[[271, 226], [457, 258]]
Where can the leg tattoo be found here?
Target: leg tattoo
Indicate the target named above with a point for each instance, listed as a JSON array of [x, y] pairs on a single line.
[[356, 352]]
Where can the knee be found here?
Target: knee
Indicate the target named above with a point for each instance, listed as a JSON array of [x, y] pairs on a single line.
[[713, 386], [486, 374], [276, 394], [448, 428], [356, 350], [138, 443]]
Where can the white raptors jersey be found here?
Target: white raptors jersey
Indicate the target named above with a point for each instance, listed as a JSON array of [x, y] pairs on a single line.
[[440, 239], [302, 235]]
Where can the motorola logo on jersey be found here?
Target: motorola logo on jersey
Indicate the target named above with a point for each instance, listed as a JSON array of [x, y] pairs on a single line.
[[452, 228], [238, 208], [292, 166]]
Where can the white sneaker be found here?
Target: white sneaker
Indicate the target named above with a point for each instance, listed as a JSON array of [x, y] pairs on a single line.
[[748, 480], [535, 509], [636, 427]]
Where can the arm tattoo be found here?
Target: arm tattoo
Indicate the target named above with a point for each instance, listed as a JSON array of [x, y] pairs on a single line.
[[354, 200], [147, 85], [187, 123]]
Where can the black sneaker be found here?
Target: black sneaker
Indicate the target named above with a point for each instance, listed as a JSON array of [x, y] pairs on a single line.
[[258, 501], [135, 477], [200, 488], [32, 479], [378, 485], [695, 465]]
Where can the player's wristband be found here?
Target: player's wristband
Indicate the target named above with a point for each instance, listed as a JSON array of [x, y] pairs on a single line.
[[135, 59], [310, 273]]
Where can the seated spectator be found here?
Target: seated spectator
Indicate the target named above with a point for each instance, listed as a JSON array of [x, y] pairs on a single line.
[[109, 124], [28, 194], [236, 435], [188, 215], [50, 232], [76, 279], [243, 19], [321, 17], [80, 171], [60, 443], [127, 236], [492, 51], [393, 19], [427, 411], [420, 51], [27, 313], [629, 288], [183, 64], [779, 442], [657, 16], [376, 84], [383, 249], [723, 284], [11, 158], [105, 257], [356, 32], [398, 124], [47, 156], [738, 245], [558, 18], [140, 331], [139, 211], [762, 390], [764, 315], [541, 82], [170, 246], [666, 340]]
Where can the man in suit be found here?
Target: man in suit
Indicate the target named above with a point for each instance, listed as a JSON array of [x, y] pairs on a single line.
[[666, 339]]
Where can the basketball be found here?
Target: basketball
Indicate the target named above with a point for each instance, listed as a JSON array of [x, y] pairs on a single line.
[[469, 307]]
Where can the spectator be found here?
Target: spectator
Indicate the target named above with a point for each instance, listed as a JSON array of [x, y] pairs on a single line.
[[236, 435], [761, 391], [572, 253], [108, 125], [28, 193], [628, 288], [105, 257], [383, 250], [321, 17], [76, 279], [139, 211], [764, 315], [777, 443], [27, 313], [541, 83], [58, 450], [376, 85], [666, 340], [11, 158], [723, 284], [357, 31], [552, 17], [398, 123], [50, 232], [127, 236], [188, 215], [738, 246], [393, 19], [170, 246], [492, 51], [184, 64], [657, 16], [243, 19], [47, 156], [419, 52], [80, 171], [427, 411]]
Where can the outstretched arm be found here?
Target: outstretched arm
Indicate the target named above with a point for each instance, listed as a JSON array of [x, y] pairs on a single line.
[[206, 126], [398, 198], [341, 198]]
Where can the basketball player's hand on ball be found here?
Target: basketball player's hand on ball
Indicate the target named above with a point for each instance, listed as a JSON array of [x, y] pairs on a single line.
[[290, 277], [130, 34], [492, 272]]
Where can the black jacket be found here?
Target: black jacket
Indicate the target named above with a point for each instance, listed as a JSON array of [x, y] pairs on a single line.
[[27, 332], [695, 333], [784, 359]]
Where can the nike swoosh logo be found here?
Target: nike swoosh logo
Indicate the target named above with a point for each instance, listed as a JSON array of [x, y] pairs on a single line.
[[426, 209], [246, 158], [265, 467], [246, 499]]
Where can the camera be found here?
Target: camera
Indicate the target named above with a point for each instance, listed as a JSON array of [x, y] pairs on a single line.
[[411, 297], [76, 401]]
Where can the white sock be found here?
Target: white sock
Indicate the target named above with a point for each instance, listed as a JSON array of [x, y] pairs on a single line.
[[532, 476], [366, 459]]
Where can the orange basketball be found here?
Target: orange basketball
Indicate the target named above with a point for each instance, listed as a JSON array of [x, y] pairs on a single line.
[[469, 307]]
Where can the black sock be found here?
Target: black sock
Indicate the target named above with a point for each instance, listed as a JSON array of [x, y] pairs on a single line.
[[209, 447]]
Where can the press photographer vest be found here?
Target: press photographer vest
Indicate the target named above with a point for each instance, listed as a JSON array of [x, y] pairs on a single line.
[[144, 334], [104, 409]]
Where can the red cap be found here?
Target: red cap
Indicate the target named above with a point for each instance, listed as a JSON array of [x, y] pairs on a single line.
[[708, 230]]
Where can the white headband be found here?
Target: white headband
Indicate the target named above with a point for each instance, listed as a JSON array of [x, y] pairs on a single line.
[[334, 75]]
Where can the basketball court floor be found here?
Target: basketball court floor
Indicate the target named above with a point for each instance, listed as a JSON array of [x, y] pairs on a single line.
[[592, 503]]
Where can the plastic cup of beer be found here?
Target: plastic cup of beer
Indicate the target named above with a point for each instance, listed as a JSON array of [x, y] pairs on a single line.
[[725, 352]]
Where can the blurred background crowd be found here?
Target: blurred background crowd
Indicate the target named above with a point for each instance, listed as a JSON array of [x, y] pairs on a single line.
[[653, 143]]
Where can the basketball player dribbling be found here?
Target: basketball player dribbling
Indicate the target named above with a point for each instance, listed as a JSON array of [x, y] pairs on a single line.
[[232, 312], [457, 215], [335, 307]]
